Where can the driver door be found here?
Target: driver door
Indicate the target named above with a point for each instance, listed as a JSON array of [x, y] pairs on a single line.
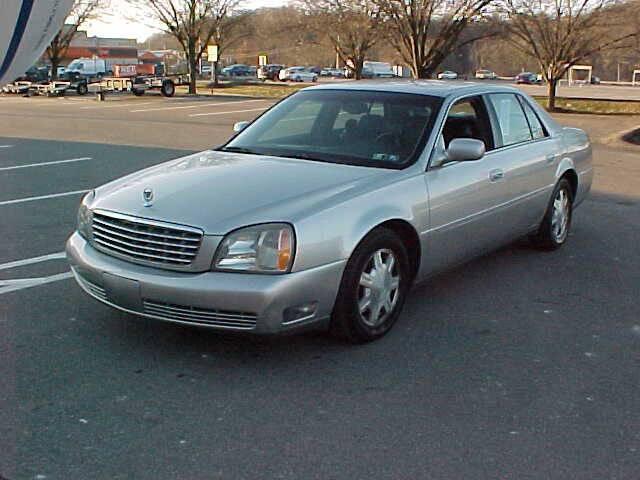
[[465, 197]]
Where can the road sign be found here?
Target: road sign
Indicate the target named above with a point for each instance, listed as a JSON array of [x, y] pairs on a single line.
[[212, 53]]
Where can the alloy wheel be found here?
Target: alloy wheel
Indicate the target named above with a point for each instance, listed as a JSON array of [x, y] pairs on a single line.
[[379, 286], [560, 216]]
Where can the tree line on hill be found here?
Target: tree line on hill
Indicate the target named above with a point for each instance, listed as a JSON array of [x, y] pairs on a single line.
[[507, 36]]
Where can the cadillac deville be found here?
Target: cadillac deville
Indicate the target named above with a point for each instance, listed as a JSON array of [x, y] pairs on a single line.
[[325, 210]]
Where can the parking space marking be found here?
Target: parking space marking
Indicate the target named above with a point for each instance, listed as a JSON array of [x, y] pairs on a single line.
[[7, 286], [225, 113], [54, 162], [31, 261], [115, 105], [198, 105], [41, 197], [6, 146]]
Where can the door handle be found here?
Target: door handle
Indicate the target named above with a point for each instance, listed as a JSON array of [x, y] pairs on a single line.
[[495, 175]]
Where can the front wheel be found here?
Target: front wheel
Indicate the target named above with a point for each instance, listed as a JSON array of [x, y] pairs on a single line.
[[373, 288], [554, 229]]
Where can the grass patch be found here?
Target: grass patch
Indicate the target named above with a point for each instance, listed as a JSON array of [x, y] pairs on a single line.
[[592, 106]]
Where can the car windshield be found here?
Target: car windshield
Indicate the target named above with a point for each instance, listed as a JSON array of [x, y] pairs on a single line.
[[367, 128]]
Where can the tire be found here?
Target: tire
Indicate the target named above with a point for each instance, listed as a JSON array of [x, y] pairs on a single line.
[[554, 229], [168, 88], [137, 92], [82, 89], [360, 313]]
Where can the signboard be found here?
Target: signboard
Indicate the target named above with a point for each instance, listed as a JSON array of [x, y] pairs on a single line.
[[262, 60], [212, 53]]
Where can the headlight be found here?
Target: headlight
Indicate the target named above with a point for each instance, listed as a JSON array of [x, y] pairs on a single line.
[[264, 248], [85, 216]]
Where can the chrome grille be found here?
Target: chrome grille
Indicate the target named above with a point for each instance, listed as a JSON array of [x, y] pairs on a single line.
[[146, 240], [202, 316]]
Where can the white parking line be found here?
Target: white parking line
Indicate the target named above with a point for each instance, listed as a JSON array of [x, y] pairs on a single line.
[[6, 146], [7, 286], [31, 261], [42, 197], [225, 113], [199, 105], [115, 104], [54, 162]]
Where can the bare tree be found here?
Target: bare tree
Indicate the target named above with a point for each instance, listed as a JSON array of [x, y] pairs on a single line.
[[561, 33], [81, 12], [194, 24], [425, 32], [352, 26]]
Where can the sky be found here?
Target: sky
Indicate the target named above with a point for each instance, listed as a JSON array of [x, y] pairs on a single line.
[[119, 24]]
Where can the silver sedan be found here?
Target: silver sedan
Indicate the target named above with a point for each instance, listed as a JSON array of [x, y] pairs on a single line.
[[327, 208]]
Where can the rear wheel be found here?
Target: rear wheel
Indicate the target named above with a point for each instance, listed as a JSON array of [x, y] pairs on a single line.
[[554, 229], [373, 289], [168, 88], [138, 92], [82, 89]]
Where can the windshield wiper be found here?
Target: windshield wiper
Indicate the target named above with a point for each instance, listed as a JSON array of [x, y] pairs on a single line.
[[241, 150], [302, 156]]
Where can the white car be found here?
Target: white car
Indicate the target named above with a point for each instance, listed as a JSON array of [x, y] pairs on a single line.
[[485, 75], [447, 75], [297, 74]]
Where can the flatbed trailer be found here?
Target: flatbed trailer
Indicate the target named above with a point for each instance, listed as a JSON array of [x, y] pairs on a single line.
[[139, 84], [56, 88]]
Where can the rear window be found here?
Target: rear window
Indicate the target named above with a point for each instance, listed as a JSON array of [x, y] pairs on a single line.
[[512, 123]]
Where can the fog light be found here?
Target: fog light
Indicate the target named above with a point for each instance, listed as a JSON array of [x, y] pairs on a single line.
[[299, 313]]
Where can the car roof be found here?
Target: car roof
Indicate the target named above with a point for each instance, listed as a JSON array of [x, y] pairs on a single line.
[[436, 88]]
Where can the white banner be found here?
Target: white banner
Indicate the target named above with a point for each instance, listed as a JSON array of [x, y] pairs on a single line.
[[26, 28]]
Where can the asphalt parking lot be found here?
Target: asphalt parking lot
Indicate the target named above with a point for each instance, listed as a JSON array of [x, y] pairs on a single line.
[[518, 365]]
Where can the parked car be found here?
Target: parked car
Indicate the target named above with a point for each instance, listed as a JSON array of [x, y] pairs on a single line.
[[527, 78], [485, 75], [447, 75], [298, 74], [269, 72], [595, 80], [332, 72], [325, 210], [378, 69], [35, 74], [237, 70], [86, 68]]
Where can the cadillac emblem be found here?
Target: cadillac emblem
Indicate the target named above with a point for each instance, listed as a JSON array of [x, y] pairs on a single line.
[[147, 195]]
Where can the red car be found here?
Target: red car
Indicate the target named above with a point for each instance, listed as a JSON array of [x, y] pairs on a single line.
[[527, 78]]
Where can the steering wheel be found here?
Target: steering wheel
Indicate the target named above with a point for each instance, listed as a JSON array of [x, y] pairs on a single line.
[[387, 138]]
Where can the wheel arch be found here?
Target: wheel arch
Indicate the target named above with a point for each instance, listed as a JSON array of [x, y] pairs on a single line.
[[566, 169], [407, 234]]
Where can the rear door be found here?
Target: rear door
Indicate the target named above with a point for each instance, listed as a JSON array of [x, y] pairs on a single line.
[[523, 142]]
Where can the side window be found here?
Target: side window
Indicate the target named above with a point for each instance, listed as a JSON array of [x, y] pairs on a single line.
[[513, 125], [537, 130], [468, 118]]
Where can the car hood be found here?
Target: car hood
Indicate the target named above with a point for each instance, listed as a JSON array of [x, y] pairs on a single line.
[[219, 191]]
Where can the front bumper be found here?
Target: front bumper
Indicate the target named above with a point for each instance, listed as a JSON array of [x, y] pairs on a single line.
[[226, 301]]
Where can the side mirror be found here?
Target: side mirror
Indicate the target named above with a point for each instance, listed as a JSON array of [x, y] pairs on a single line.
[[465, 150], [238, 127]]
